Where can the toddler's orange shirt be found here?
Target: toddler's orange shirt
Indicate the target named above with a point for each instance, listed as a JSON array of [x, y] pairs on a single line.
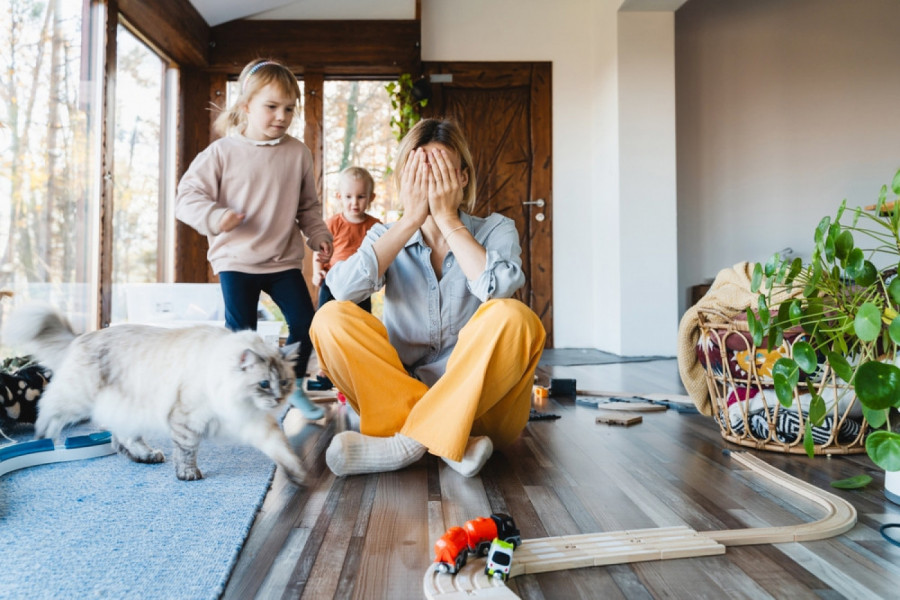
[[347, 236]]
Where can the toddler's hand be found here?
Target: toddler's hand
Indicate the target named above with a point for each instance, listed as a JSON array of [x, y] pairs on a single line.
[[230, 220]]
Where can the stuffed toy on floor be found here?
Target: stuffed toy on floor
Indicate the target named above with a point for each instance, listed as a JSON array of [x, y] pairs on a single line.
[[21, 384]]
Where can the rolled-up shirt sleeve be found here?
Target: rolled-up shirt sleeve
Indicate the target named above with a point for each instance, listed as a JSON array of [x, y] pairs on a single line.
[[356, 278], [502, 274]]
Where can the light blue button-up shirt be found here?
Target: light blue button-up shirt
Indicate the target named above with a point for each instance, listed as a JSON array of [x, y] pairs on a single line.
[[423, 314]]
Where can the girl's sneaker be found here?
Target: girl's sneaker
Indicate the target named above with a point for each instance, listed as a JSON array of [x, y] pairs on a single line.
[[298, 400]]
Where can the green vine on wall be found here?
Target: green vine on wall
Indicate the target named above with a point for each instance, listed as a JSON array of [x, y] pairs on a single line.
[[405, 104]]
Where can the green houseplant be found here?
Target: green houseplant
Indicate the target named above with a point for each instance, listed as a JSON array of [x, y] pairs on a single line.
[[849, 310], [407, 102]]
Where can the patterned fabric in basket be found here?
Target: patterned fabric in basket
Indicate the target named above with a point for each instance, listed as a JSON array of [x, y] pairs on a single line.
[[741, 354], [787, 427]]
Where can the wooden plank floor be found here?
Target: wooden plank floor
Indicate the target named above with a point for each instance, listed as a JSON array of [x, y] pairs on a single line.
[[371, 537]]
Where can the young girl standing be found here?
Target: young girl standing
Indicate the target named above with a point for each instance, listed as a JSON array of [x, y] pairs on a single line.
[[253, 193]]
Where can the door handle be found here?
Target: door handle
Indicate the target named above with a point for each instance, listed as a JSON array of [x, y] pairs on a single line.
[[539, 202]]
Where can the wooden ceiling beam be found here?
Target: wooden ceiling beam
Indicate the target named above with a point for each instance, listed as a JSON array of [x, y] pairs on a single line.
[[173, 27], [328, 47]]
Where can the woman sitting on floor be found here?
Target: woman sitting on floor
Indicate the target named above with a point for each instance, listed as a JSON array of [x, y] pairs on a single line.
[[450, 371]]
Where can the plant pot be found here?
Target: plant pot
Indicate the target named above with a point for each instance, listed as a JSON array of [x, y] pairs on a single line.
[[892, 486]]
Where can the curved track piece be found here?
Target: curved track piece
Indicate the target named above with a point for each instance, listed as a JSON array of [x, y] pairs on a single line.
[[608, 548], [41, 452]]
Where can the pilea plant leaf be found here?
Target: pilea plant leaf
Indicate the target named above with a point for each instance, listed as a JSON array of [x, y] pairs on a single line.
[[840, 365], [866, 275], [894, 330], [756, 278], [796, 312], [796, 267], [856, 482], [877, 384], [817, 410], [867, 324], [784, 391], [783, 318], [785, 375], [883, 447], [843, 245], [772, 265], [894, 290], [763, 313], [805, 356], [855, 261], [875, 418], [755, 327], [808, 443]]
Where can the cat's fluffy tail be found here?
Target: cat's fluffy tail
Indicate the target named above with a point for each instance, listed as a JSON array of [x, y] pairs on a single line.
[[41, 331]]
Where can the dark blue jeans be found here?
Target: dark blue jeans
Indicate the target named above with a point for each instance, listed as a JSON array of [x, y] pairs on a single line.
[[287, 289], [326, 296]]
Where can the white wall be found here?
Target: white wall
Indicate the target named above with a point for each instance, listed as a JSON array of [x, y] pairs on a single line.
[[784, 109], [564, 32], [647, 183], [614, 239]]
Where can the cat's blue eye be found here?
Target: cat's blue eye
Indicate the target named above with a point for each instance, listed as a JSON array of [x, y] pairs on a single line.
[[264, 385], [284, 383]]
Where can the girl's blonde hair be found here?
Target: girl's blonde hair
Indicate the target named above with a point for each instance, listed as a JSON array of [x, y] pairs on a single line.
[[444, 132], [255, 76], [359, 174]]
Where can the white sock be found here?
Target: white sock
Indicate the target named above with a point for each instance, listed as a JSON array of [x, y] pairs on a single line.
[[478, 451], [352, 453]]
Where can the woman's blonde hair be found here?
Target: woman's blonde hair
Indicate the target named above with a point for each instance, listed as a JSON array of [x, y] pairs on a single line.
[[447, 133], [255, 76]]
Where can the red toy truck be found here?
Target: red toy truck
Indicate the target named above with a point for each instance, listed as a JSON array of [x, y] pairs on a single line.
[[481, 531], [450, 551]]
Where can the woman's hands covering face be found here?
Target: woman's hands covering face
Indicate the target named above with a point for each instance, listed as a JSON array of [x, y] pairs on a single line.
[[414, 186], [445, 185]]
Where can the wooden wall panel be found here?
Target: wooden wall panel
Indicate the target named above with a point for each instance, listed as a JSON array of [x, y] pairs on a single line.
[[191, 265], [107, 143], [542, 188]]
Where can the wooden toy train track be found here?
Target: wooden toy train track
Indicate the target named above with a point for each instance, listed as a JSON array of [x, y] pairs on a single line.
[[609, 548]]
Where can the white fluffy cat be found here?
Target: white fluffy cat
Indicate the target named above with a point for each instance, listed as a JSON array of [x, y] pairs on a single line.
[[137, 380]]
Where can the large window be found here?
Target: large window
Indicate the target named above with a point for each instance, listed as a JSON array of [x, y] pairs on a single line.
[[48, 86], [140, 204], [358, 133]]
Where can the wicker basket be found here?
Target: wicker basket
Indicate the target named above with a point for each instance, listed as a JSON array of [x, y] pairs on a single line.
[[743, 396]]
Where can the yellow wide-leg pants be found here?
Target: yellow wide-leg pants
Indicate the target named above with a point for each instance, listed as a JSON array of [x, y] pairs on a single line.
[[486, 389]]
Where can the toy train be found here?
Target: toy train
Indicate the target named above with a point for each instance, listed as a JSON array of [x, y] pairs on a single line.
[[476, 536]]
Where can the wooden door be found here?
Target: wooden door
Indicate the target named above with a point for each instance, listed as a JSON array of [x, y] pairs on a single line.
[[504, 110]]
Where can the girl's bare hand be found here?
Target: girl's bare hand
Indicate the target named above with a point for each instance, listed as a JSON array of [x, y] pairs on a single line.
[[230, 220], [325, 251]]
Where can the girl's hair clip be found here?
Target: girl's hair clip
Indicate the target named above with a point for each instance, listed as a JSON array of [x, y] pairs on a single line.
[[253, 70]]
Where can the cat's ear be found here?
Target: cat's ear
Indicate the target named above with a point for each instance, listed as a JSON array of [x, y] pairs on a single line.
[[249, 358], [290, 351]]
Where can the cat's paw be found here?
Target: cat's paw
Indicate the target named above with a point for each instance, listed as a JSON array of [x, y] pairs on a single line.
[[153, 457], [298, 478], [185, 473]]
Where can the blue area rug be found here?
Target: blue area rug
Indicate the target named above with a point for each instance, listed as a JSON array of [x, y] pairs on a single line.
[[110, 528]]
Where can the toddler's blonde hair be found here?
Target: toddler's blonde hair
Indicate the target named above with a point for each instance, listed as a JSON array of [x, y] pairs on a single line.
[[358, 173], [255, 76]]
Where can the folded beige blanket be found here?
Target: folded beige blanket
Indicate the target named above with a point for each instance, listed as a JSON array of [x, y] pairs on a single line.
[[730, 295]]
